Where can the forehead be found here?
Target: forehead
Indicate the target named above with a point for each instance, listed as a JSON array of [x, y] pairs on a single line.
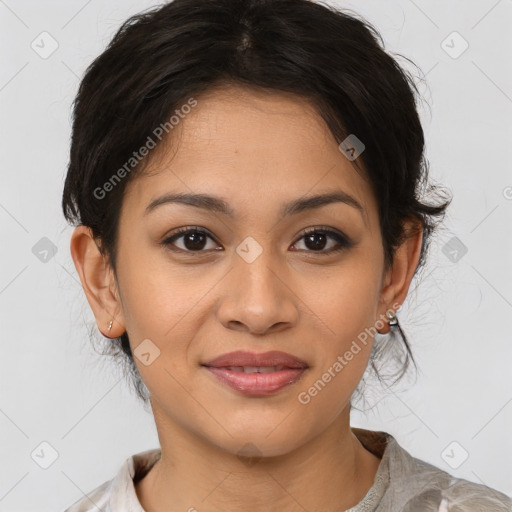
[[249, 146]]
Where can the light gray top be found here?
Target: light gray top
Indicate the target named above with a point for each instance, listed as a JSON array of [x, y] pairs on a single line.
[[402, 483]]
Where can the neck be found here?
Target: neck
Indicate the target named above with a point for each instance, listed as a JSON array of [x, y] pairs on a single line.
[[332, 471]]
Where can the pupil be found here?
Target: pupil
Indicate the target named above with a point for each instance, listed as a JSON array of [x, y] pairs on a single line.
[[197, 240], [316, 245]]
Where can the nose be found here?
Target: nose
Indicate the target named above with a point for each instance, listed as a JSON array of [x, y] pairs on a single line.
[[258, 297]]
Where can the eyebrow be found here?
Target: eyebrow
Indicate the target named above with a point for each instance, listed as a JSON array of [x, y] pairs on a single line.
[[216, 204]]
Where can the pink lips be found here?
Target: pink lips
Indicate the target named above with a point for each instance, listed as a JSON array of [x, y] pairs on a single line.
[[229, 369]]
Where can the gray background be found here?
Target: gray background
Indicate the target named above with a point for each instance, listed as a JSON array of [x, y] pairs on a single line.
[[56, 389]]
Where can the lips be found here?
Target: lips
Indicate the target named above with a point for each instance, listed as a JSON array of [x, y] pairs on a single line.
[[251, 362], [256, 374]]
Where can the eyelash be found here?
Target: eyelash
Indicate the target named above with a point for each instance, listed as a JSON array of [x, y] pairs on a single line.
[[343, 242]]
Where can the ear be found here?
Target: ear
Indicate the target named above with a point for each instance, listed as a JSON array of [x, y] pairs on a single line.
[[399, 276], [98, 282]]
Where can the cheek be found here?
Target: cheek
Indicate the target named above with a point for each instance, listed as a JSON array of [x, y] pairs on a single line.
[[162, 305], [166, 315], [156, 296], [344, 309], [344, 347], [345, 301]]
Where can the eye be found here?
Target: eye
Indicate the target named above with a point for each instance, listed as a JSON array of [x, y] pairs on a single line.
[[194, 239], [316, 239]]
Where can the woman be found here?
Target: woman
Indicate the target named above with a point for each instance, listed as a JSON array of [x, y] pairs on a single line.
[[246, 181]]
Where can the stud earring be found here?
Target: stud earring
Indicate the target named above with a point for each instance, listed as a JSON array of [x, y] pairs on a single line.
[[392, 322], [110, 325], [392, 319]]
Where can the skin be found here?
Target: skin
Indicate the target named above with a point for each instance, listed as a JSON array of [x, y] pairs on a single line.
[[257, 151]]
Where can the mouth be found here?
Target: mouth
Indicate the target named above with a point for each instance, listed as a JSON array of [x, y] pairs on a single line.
[[256, 381], [256, 374]]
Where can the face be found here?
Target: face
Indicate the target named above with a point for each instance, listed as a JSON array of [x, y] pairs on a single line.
[[257, 277]]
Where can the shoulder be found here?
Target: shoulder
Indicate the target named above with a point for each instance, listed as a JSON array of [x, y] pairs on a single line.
[[95, 500], [416, 485], [119, 492]]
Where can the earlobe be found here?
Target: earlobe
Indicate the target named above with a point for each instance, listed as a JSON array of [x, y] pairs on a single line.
[[98, 282], [405, 262]]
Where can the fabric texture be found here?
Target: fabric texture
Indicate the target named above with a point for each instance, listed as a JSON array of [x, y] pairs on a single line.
[[402, 483]]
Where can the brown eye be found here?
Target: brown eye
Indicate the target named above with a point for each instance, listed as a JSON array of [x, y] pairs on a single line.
[[317, 239], [193, 240]]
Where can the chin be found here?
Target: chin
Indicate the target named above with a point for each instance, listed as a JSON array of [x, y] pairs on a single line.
[[260, 441]]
